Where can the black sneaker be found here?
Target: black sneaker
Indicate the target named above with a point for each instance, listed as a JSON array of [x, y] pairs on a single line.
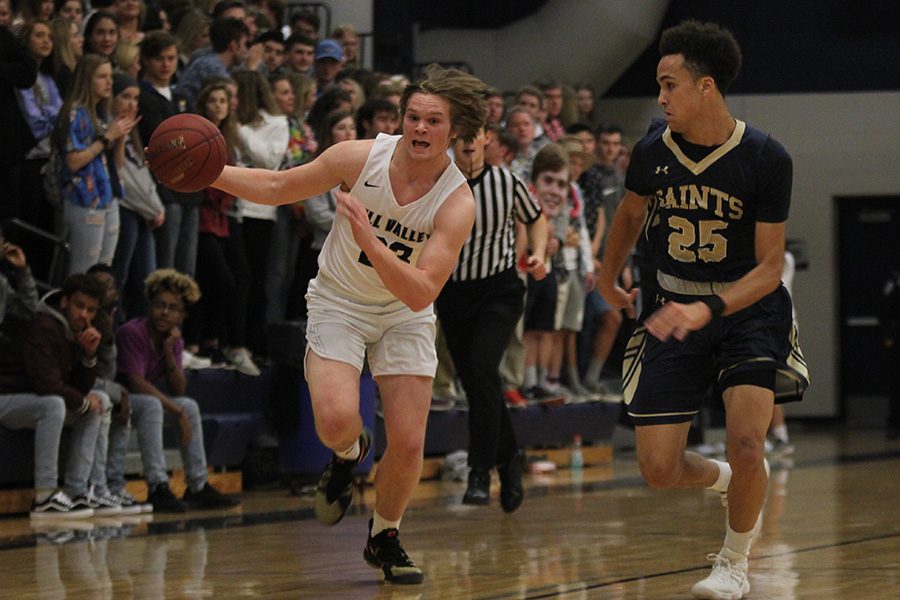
[[511, 491], [163, 500], [208, 497], [385, 552], [335, 491], [478, 490], [59, 506]]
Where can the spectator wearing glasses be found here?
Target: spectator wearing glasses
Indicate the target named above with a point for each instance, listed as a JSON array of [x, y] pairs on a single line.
[[149, 364]]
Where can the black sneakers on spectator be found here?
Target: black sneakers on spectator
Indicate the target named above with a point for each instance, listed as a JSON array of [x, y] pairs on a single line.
[[385, 552], [335, 491], [163, 500], [511, 491], [59, 506], [208, 497], [478, 491]]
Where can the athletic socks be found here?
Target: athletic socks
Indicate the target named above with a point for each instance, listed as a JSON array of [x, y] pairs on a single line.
[[530, 376], [724, 478], [379, 524], [351, 453], [738, 542]]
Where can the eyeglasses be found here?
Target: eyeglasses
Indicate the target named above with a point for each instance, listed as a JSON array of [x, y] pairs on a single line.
[[163, 307]]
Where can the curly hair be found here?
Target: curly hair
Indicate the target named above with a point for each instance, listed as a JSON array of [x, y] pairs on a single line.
[[170, 280], [708, 49], [466, 94]]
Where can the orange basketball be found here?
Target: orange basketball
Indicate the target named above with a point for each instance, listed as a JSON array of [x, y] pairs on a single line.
[[186, 153]]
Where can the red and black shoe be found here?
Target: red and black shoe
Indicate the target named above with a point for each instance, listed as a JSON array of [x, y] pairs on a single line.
[[384, 552]]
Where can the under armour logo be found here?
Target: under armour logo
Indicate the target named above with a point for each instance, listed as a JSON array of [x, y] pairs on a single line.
[[664, 170]]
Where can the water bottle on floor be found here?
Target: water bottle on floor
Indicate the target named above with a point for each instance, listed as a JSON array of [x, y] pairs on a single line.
[[576, 461]]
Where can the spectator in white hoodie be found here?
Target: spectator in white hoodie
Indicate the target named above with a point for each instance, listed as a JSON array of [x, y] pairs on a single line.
[[263, 139]]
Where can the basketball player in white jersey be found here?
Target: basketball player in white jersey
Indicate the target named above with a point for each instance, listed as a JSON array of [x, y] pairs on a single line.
[[396, 238]]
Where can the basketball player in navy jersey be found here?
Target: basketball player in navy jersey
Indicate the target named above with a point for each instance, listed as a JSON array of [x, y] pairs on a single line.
[[396, 238], [720, 192]]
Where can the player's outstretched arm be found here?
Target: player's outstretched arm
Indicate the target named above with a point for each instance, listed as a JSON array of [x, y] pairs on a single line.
[[623, 234], [416, 286], [339, 165]]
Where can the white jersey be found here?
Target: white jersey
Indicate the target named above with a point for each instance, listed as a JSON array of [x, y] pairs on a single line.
[[343, 268]]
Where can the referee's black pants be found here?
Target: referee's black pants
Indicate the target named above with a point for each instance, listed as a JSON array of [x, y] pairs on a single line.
[[477, 318]]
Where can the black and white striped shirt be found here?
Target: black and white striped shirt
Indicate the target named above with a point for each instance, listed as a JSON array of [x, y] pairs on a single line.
[[500, 199]]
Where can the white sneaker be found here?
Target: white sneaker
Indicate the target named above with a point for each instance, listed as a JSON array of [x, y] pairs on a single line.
[[779, 449], [728, 580], [191, 361], [241, 360]]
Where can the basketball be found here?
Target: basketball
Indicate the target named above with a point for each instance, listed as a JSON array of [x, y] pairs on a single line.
[[186, 153]]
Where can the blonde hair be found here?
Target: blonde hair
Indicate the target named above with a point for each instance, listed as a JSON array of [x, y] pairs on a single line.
[[465, 93], [302, 86], [82, 94], [170, 280], [358, 92], [191, 25], [63, 54], [126, 55]]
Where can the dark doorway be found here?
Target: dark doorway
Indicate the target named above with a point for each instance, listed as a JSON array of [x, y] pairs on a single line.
[[868, 229]]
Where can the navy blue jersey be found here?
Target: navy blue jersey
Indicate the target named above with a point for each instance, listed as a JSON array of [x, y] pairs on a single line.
[[706, 201]]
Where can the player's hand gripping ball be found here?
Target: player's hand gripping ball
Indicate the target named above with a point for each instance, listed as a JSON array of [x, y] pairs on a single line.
[[186, 153]]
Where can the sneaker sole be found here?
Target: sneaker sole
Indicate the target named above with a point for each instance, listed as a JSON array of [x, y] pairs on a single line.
[[131, 510], [84, 513], [109, 511], [404, 579]]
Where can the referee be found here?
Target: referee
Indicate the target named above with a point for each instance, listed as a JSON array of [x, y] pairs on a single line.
[[479, 308]]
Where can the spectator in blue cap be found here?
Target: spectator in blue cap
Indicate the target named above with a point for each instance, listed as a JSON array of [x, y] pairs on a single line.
[[329, 62]]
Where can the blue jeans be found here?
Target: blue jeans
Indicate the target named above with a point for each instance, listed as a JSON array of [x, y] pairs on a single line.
[[134, 260], [86, 431], [46, 415], [148, 419], [101, 448], [176, 240], [93, 233]]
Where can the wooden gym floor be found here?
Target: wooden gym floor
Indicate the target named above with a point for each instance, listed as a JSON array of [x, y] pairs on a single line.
[[831, 530]]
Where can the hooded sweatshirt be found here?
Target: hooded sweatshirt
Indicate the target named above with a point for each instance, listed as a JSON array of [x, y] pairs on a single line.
[[18, 304], [54, 362]]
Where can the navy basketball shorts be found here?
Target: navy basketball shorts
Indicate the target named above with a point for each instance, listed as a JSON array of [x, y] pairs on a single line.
[[665, 382]]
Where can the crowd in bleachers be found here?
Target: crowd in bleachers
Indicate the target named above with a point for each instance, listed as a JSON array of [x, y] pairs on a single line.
[[84, 85]]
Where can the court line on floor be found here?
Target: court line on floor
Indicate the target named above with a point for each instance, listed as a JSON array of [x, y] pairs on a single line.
[[581, 586], [220, 521]]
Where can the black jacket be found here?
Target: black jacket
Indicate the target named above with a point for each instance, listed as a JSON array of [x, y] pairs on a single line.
[[155, 108], [17, 71]]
